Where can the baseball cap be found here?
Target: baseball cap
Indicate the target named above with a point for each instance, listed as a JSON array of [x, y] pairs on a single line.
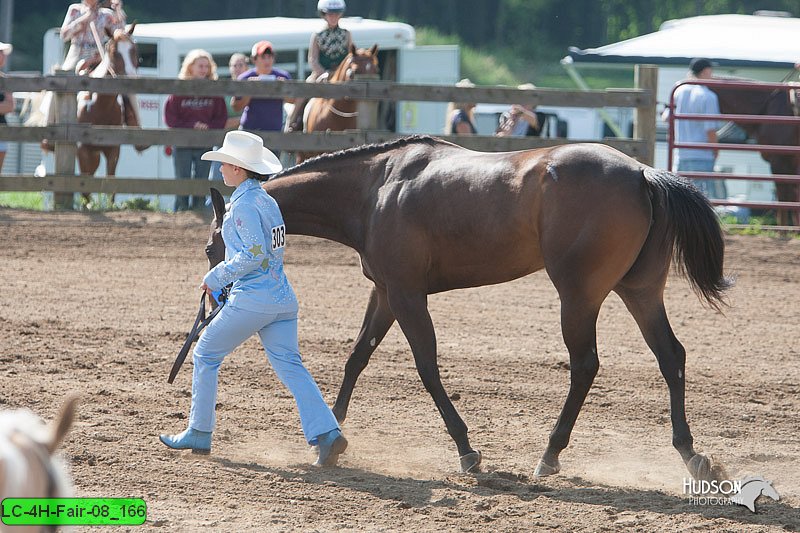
[[260, 48], [699, 63]]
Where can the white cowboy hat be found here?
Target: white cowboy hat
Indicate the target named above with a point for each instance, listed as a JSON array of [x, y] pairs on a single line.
[[245, 150], [6, 48]]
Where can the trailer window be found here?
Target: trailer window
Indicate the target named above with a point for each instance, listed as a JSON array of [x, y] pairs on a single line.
[[148, 55]]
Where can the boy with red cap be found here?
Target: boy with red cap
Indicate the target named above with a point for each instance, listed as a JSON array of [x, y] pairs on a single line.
[[265, 114]]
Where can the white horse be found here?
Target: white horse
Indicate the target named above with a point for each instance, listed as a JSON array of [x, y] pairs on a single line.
[[28, 467]]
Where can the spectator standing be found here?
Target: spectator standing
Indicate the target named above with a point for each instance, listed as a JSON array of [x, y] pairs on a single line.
[[520, 120], [237, 65], [6, 99], [195, 112], [326, 51], [698, 99], [77, 29], [261, 114], [460, 115]]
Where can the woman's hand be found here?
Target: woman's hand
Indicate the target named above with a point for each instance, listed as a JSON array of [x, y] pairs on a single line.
[[200, 125], [205, 288]]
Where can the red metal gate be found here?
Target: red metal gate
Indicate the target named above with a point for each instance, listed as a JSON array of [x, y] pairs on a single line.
[[772, 119]]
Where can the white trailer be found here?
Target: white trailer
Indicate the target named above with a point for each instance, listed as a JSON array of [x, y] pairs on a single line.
[[163, 46]]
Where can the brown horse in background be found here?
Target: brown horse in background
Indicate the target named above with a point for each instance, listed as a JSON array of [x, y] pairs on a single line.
[[328, 114], [427, 216], [121, 59], [743, 101]]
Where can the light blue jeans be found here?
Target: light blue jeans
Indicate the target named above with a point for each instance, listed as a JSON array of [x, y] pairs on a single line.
[[188, 165], [278, 333], [714, 189]]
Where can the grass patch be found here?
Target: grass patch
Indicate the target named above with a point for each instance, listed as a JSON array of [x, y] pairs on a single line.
[[757, 225], [138, 204], [22, 200]]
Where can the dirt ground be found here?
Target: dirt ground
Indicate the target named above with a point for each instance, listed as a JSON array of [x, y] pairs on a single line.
[[100, 303]]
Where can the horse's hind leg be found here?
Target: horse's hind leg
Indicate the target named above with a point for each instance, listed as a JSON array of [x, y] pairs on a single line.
[[411, 311], [579, 327], [647, 308], [377, 321]]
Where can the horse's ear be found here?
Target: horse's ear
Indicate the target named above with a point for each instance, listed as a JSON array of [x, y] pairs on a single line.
[[131, 28], [61, 426], [219, 206], [353, 48], [374, 49]]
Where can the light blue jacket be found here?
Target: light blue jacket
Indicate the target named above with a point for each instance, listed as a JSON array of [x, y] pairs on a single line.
[[701, 100], [254, 236]]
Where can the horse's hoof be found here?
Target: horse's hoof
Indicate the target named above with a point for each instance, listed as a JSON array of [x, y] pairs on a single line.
[[543, 469], [699, 467], [471, 462]]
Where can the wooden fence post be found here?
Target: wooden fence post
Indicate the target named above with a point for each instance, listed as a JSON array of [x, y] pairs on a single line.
[[66, 115], [644, 118]]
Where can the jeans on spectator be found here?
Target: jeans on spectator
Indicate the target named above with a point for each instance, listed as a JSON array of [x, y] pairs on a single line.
[[714, 189], [188, 165]]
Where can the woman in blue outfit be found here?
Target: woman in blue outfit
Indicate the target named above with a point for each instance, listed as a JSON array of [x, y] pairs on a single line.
[[261, 301]]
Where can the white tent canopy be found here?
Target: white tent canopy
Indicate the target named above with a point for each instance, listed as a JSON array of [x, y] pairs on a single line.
[[729, 40]]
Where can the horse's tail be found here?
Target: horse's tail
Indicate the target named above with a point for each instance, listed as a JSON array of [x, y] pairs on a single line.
[[693, 231]]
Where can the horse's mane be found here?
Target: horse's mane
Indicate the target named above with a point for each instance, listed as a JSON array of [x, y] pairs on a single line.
[[362, 150]]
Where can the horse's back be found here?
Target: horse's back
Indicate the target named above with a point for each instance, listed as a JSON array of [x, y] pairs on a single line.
[[477, 218]]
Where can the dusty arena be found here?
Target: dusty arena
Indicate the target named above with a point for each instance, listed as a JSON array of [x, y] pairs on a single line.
[[99, 304]]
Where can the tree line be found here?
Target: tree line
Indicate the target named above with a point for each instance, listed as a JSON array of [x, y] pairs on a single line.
[[537, 29]]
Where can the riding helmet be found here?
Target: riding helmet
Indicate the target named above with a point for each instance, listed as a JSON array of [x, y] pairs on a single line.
[[331, 6]]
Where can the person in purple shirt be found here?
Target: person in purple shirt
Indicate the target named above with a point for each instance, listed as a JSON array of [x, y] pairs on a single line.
[[265, 114], [194, 112]]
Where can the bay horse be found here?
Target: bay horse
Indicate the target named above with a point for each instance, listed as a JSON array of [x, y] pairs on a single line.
[[28, 468], [121, 58], [734, 100], [328, 114], [427, 216]]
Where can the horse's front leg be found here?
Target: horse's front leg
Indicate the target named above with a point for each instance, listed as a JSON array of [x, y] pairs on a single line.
[[578, 325], [88, 162], [411, 311], [377, 321]]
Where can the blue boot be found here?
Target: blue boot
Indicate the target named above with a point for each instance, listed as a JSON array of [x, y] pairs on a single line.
[[331, 444], [191, 439]]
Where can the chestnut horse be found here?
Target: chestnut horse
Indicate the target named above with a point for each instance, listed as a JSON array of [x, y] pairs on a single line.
[[428, 216], [121, 58], [328, 114], [742, 101]]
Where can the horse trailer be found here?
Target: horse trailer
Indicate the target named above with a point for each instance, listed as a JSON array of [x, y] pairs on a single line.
[[162, 47]]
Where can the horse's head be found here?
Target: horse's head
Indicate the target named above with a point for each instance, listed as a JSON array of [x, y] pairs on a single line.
[[359, 63], [121, 51], [215, 247], [27, 446]]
